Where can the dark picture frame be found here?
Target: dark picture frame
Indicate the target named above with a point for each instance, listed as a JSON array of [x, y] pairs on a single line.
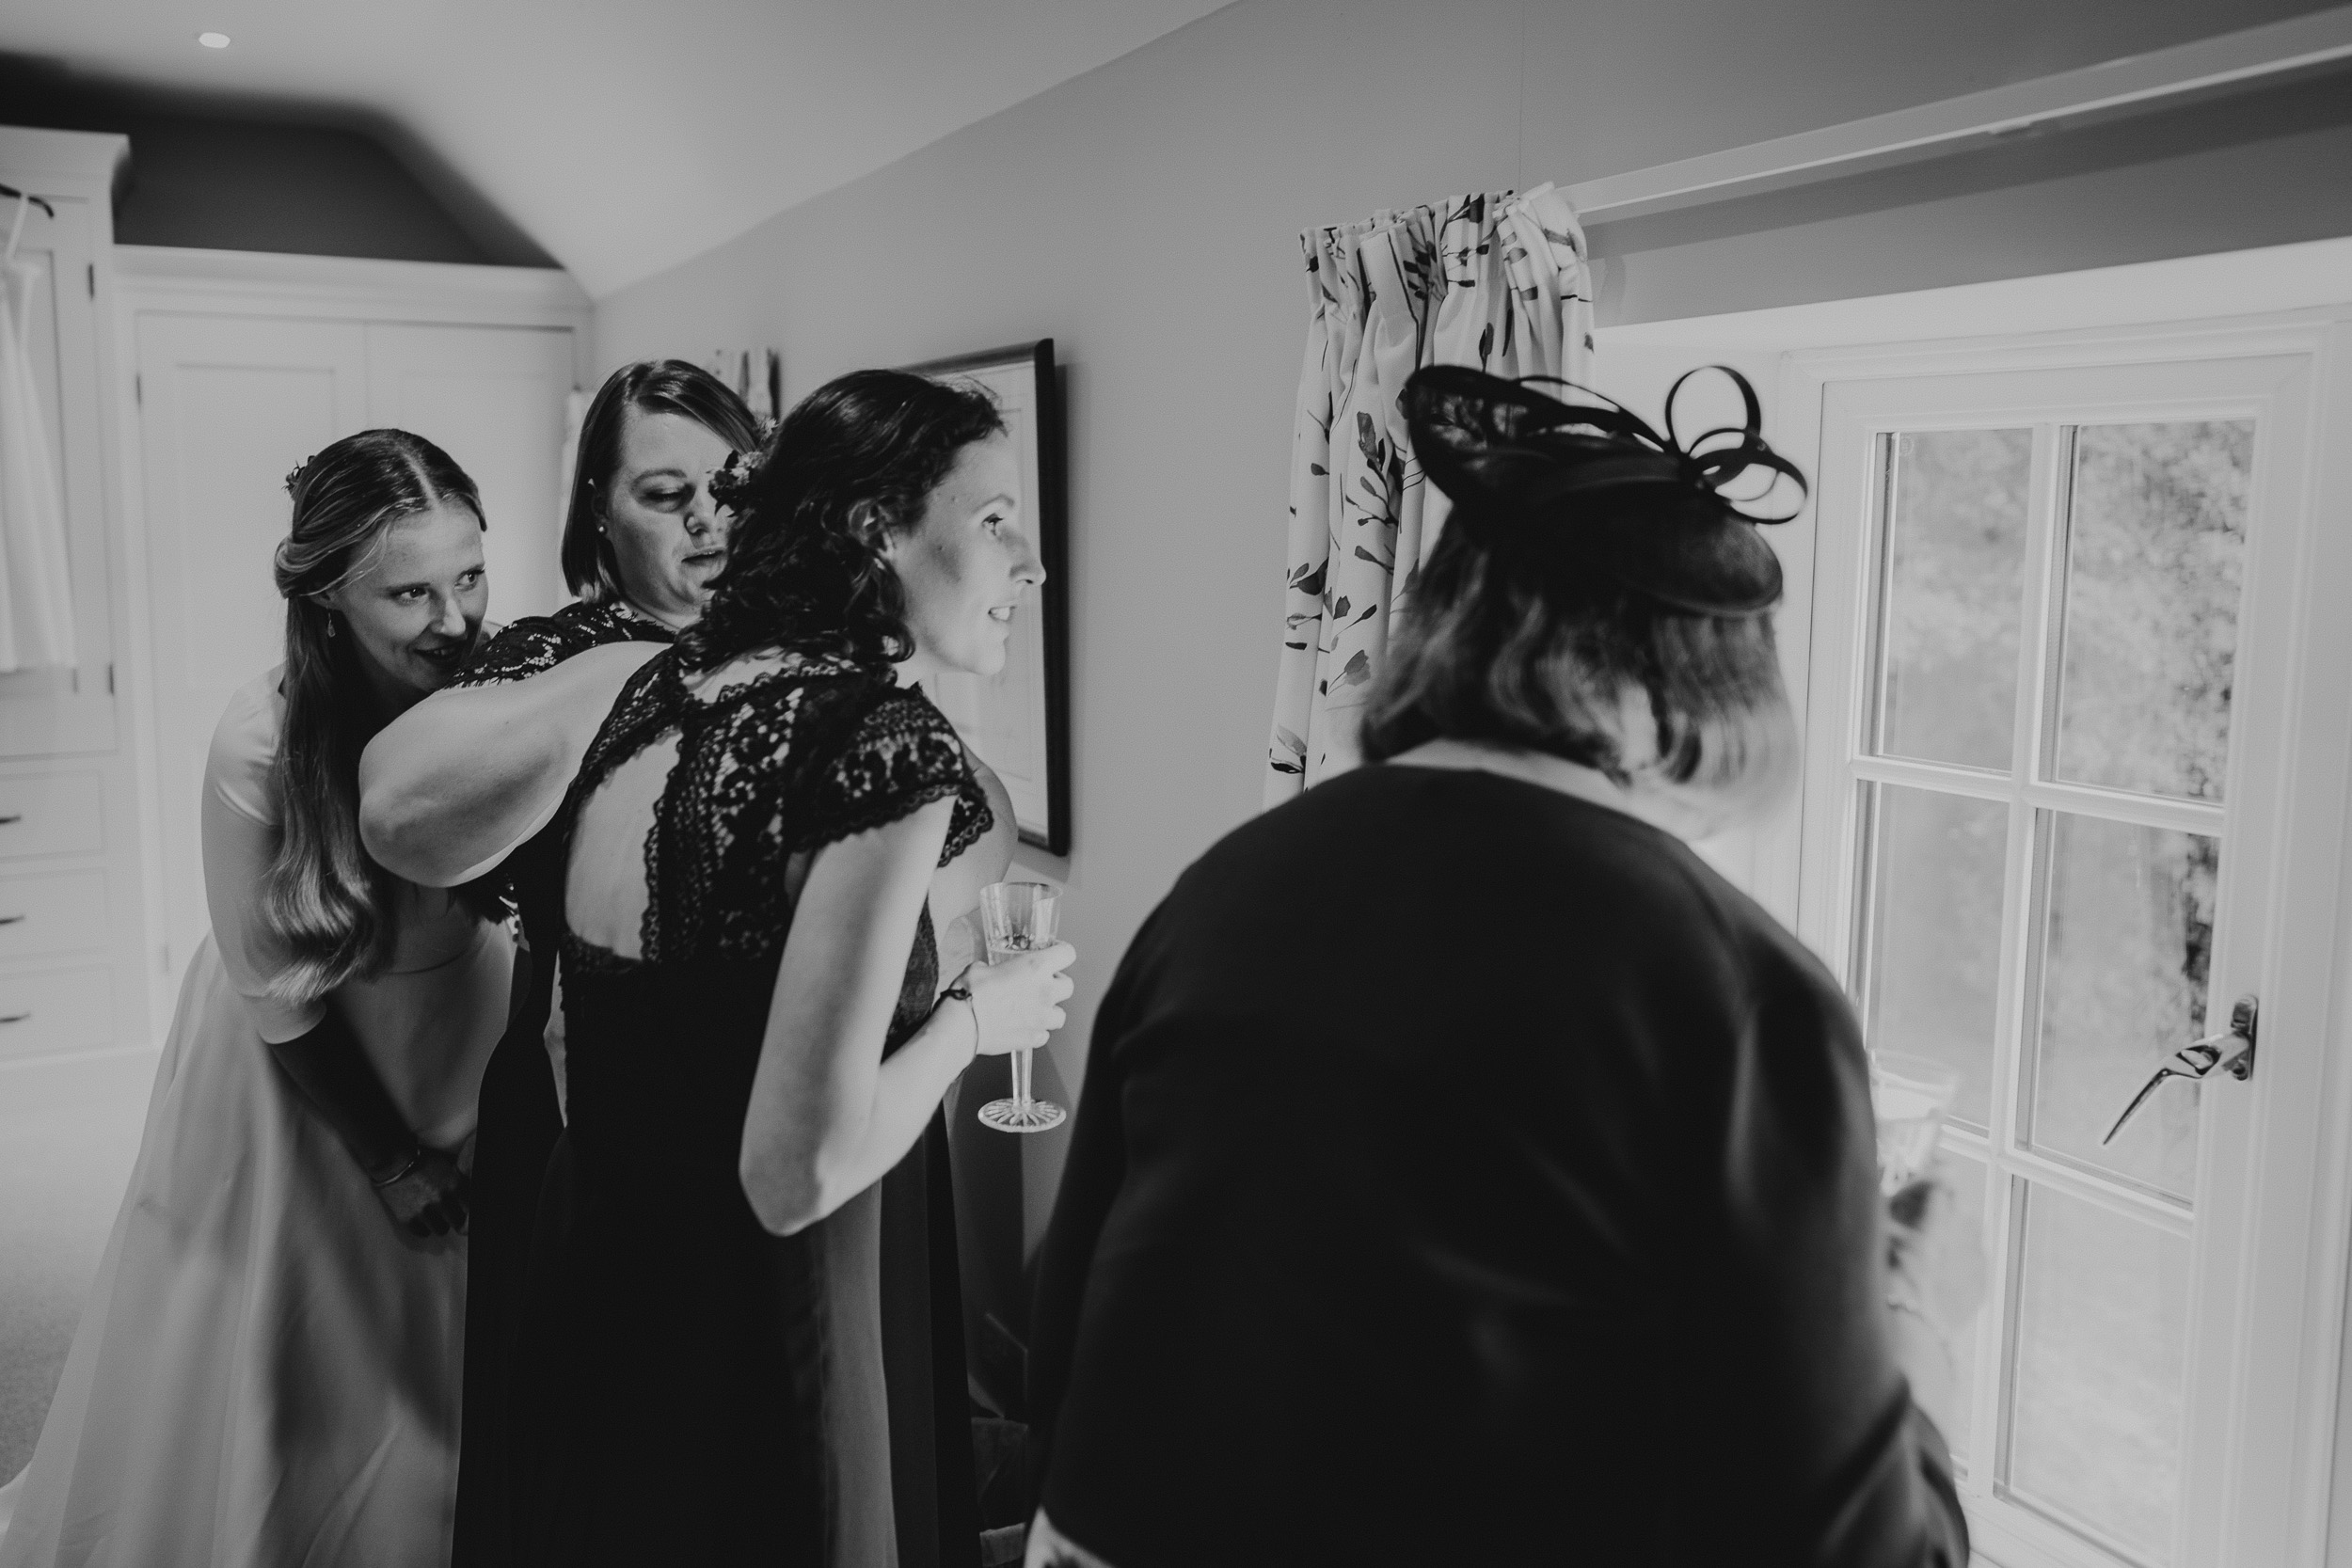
[[1018, 722]]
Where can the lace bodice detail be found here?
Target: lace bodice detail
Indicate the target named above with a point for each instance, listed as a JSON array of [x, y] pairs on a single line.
[[784, 763], [537, 643]]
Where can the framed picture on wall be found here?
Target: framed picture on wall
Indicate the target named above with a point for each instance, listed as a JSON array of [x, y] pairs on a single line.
[[1018, 719]]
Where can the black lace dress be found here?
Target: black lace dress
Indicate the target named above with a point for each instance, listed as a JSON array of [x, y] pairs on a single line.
[[520, 1120], [729, 1395]]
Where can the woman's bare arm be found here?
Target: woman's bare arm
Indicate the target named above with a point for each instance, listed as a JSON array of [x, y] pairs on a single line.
[[449, 788], [828, 1116], [956, 886]]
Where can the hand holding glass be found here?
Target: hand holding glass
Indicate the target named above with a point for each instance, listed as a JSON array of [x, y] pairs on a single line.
[[1908, 1095], [1019, 917]]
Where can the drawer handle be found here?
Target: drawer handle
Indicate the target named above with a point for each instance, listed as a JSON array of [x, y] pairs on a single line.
[[15, 1017]]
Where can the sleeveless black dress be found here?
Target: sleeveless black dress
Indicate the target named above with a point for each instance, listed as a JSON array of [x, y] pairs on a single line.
[[724, 1395], [519, 1121]]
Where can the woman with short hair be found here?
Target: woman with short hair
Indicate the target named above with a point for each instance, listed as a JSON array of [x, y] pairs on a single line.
[[642, 542], [1467, 1173], [267, 1371]]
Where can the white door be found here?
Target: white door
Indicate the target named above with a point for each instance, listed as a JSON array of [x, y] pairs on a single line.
[[493, 398], [2076, 782], [228, 407]]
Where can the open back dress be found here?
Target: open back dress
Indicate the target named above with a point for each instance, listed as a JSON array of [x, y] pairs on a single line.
[[724, 1394], [521, 1118]]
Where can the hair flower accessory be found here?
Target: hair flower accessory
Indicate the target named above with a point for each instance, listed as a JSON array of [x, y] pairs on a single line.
[[733, 480], [293, 475], [1588, 489]]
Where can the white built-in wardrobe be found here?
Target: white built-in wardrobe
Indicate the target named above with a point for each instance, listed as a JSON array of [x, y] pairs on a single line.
[[178, 387], [242, 368]]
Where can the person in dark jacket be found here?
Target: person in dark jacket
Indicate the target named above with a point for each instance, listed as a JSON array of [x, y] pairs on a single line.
[[1467, 1173]]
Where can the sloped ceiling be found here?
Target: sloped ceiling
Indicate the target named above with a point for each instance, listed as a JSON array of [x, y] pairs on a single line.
[[621, 137]]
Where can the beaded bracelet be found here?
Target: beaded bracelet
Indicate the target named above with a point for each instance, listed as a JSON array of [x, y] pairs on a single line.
[[962, 993]]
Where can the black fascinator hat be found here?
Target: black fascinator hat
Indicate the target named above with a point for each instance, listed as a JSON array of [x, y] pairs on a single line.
[[1584, 491]]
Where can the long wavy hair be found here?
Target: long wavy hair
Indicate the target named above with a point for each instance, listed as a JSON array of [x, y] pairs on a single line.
[[647, 387], [853, 464], [324, 898]]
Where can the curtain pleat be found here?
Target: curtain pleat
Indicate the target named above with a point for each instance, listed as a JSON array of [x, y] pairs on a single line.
[[1498, 282]]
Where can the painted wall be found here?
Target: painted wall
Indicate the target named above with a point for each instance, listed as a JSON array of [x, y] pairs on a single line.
[[1145, 216]]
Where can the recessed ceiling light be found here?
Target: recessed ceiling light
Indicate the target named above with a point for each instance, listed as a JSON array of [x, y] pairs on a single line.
[[212, 41]]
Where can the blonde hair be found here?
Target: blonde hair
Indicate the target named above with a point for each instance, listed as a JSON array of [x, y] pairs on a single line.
[[324, 898]]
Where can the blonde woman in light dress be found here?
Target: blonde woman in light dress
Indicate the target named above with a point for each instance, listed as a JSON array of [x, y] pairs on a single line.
[[267, 1369]]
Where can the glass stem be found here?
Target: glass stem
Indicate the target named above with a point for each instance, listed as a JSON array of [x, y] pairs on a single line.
[[1021, 1079]]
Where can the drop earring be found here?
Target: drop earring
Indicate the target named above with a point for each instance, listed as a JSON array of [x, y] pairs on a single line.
[[330, 624]]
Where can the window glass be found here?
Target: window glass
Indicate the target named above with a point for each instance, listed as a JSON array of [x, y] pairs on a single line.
[[2155, 554], [1955, 553]]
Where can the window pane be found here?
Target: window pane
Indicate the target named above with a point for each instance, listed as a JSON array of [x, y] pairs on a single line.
[[2155, 548], [1936, 934], [1955, 572], [2102, 1327], [2125, 946], [1967, 1178]]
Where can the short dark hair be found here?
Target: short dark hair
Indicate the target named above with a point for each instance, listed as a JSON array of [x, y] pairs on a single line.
[[1490, 653], [649, 387], [855, 462]]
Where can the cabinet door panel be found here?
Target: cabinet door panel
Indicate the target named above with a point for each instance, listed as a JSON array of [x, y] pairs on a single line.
[[229, 405], [493, 398], [61, 912], [52, 814], [46, 1010]]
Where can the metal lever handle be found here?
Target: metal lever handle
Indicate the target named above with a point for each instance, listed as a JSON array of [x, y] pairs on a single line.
[[15, 1017], [2231, 1053], [13, 816]]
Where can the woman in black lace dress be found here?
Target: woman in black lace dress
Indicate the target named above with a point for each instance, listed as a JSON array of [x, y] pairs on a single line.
[[448, 796], [749, 974]]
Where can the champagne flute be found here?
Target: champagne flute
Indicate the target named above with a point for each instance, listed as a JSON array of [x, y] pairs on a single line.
[[1910, 1095], [1020, 917]]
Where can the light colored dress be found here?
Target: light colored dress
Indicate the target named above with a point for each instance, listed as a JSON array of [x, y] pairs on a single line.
[[268, 1372], [36, 588]]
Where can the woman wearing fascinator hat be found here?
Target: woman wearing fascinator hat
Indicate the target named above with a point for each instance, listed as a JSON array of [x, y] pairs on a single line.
[[266, 1371], [1526, 1211]]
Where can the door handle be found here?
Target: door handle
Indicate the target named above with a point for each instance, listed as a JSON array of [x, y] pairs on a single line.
[[9, 919], [15, 1017], [12, 816], [2232, 1052]]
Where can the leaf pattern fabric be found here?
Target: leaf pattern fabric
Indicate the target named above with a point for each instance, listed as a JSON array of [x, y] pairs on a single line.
[[1496, 281]]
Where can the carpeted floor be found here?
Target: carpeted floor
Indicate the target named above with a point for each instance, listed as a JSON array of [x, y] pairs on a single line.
[[69, 1133]]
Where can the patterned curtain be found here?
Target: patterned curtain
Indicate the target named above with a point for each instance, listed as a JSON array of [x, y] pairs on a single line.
[[1496, 281]]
